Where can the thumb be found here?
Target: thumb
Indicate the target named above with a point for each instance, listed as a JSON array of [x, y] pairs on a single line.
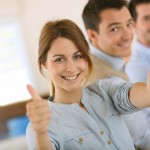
[[33, 93]]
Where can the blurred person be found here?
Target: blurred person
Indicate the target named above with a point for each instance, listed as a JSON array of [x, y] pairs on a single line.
[[139, 63]]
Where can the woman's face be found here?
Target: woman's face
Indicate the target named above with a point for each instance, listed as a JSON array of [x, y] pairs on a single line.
[[66, 66]]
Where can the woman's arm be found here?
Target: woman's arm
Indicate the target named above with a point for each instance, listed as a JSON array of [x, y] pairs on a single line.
[[140, 94], [39, 114], [43, 142]]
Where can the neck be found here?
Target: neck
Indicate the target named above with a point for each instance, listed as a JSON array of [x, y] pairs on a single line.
[[146, 43], [66, 97]]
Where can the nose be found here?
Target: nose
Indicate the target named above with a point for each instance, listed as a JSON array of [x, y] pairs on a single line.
[[127, 33], [70, 66]]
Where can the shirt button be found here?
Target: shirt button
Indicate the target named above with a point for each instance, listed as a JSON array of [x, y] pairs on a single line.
[[109, 142], [101, 132], [80, 139]]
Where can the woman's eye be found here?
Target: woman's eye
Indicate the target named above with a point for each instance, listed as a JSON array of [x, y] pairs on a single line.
[[59, 60], [78, 56]]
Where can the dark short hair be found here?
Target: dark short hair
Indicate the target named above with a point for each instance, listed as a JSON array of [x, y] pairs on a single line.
[[132, 7], [92, 10]]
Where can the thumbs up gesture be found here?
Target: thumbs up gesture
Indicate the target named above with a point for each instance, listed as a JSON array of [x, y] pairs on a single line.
[[38, 112]]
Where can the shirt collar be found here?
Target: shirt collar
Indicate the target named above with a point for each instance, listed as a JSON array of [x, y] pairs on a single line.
[[142, 48], [117, 63]]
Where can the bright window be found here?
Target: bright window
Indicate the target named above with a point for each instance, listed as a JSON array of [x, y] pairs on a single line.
[[14, 68]]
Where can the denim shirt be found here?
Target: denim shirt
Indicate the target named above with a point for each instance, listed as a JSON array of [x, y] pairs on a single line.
[[100, 128]]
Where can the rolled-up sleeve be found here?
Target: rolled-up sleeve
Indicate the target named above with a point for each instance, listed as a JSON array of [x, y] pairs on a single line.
[[119, 95]]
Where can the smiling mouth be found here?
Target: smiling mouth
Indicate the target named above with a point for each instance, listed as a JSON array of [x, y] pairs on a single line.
[[126, 45], [71, 77]]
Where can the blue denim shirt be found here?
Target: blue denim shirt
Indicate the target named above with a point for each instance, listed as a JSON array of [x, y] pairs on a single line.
[[100, 128]]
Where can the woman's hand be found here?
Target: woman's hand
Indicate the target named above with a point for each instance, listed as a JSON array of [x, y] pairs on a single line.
[[140, 94], [38, 112]]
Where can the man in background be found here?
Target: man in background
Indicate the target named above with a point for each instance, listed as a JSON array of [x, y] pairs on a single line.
[[109, 26], [139, 63]]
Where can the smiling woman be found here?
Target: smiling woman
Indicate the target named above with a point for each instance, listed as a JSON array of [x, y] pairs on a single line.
[[71, 65], [17, 57]]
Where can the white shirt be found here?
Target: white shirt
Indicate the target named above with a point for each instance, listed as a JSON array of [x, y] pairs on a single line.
[[139, 64]]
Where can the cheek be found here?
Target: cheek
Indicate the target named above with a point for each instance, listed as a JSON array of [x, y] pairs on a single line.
[[83, 65], [108, 40], [53, 70], [141, 25], [147, 27]]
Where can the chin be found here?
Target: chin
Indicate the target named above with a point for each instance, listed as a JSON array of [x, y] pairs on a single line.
[[126, 53], [73, 88]]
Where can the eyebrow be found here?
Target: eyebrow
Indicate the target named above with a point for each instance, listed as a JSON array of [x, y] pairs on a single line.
[[61, 55], [117, 23], [146, 16]]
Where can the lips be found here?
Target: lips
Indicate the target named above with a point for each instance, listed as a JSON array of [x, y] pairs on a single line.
[[71, 77], [125, 45]]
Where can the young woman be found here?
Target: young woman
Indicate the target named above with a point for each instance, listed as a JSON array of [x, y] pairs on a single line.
[[77, 117]]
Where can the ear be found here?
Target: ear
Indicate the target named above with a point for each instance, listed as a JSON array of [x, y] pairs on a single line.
[[44, 64], [134, 24], [92, 36]]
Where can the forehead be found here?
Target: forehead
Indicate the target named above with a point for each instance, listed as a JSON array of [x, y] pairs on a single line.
[[63, 45], [143, 9], [110, 16]]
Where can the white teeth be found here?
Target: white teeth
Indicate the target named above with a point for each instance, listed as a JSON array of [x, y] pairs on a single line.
[[71, 78], [125, 45]]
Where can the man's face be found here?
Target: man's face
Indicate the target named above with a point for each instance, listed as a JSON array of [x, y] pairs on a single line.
[[115, 32], [142, 24]]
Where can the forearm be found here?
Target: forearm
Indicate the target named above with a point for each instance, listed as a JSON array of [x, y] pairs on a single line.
[[43, 142], [140, 95]]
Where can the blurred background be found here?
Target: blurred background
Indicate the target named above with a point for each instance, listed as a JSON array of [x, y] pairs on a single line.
[[21, 22]]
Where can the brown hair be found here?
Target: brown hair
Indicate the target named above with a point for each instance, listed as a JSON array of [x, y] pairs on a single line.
[[92, 11], [67, 29], [132, 7]]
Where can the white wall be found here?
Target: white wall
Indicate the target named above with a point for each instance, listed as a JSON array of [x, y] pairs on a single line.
[[33, 14]]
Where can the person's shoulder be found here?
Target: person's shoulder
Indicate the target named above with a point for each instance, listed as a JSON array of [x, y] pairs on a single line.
[[107, 83], [97, 84]]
